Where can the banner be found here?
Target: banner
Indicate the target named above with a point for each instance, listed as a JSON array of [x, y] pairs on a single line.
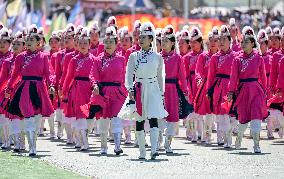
[[205, 25]]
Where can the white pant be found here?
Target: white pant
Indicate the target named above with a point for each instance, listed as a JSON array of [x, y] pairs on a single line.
[[224, 123], [16, 126], [104, 125], [116, 125], [80, 124], [171, 128]]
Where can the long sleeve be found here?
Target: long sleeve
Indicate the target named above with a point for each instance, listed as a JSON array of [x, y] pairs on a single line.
[[66, 62], [130, 72], [199, 70], [274, 71], [4, 74], [262, 73], [69, 77], [280, 81], [94, 74], [182, 76], [48, 72], [161, 74], [211, 72], [234, 77], [16, 71]]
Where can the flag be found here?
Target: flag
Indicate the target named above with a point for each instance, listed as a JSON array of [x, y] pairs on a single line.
[[75, 12], [58, 22], [13, 8], [3, 12]]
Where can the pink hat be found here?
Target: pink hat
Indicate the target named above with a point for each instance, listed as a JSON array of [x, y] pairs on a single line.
[[248, 32], [262, 36]]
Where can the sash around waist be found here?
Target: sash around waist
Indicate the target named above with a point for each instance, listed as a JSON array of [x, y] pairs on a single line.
[[222, 76], [82, 78], [248, 80], [33, 78], [171, 80]]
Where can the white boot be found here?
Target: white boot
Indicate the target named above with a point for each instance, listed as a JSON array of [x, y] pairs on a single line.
[[154, 134], [270, 127], [241, 129], [160, 140], [17, 142], [68, 133], [41, 129], [256, 138], [228, 139], [77, 137], [59, 130], [103, 137], [6, 138], [51, 126], [32, 143], [22, 141], [117, 149], [141, 142], [84, 138], [127, 132], [168, 141]]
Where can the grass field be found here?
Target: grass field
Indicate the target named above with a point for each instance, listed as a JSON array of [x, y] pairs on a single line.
[[16, 166]]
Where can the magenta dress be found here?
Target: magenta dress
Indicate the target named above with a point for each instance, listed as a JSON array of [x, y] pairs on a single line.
[[31, 97], [250, 103], [96, 50], [274, 71], [175, 75], [267, 58], [134, 48], [77, 88], [190, 61], [201, 102], [280, 81], [236, 46], [218, 79], [108, 72]]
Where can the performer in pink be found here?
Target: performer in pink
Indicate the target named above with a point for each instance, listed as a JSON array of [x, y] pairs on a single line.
[[175, 78], [77, 85], [5, 57], [201, 102], [158, 33], [107, 76], [190, 60], [217, 85], [136, 46], [236, 46], [16, 123], [31, 98], [96, 46], [250, 101], [274, 39], [183, 42]]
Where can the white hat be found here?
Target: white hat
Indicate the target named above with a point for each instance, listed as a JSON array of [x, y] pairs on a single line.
[[1, 25], [186, 27], [262, 36], [248, 32], [282, 32], [124, 32], [168, 32], [78, 30], [55, 35], [111, 21], [224, 31], [95, 27], [110, 32], [85, 33], [214, 33], [232, 23], [70, 29], [276, 32], [32, 30], [4, 34], [147, 28], [184, 34], [40, 32], [268, 31], [137, 25], [195, 34], [18, 36], [158, 33]]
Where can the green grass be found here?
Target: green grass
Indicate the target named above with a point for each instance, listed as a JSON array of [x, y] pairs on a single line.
[[17, 166]]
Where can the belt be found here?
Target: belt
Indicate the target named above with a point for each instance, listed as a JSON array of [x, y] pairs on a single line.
[[109, 84], [35, 78], [82, 78], [222, 76], [248, 80], [267, 74], [192, 73], [171, 80]]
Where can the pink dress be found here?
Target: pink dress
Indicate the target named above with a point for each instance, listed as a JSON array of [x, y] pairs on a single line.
[[190, 61], [274, 71], [5, 67], [97, 49], [201, 102], [267, 58], [108, 72], [218, 79], [280, 80], [236, 46], [175, 75], [31, 96], [134, 48], [77, 88], [250, 103]]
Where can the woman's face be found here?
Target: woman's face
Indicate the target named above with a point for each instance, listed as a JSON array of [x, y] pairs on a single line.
[[125, 43], [158, 44], [18, 47], [54, 44], [84, 45], [274, 42], [213, 44], [70, 41], [263, 47], [110, 45], [167, 44], [183, 46], [195, 45], [224, 43], [233, 32], [247, 45], [4, 46], [32, 43], [94, 37], [145, 41]]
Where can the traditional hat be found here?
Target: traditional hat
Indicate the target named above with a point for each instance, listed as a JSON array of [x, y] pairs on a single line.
[[262, 36], [232, 23], [276, 32], [224, 31], [214, 33], [268, 31], [158, 33], [195, 34], [40, 32], [137, 25], [19, 37], [70, 29], [248, 32], [55, 35], [4, 34], [147, 28], [124, 33], [85, 34], [95, 27], [168, 31], [110, 33], [111, 21], [32, 30], [185, 35]]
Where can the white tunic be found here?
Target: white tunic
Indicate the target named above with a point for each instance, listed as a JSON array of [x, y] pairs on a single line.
[[149, 70]]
